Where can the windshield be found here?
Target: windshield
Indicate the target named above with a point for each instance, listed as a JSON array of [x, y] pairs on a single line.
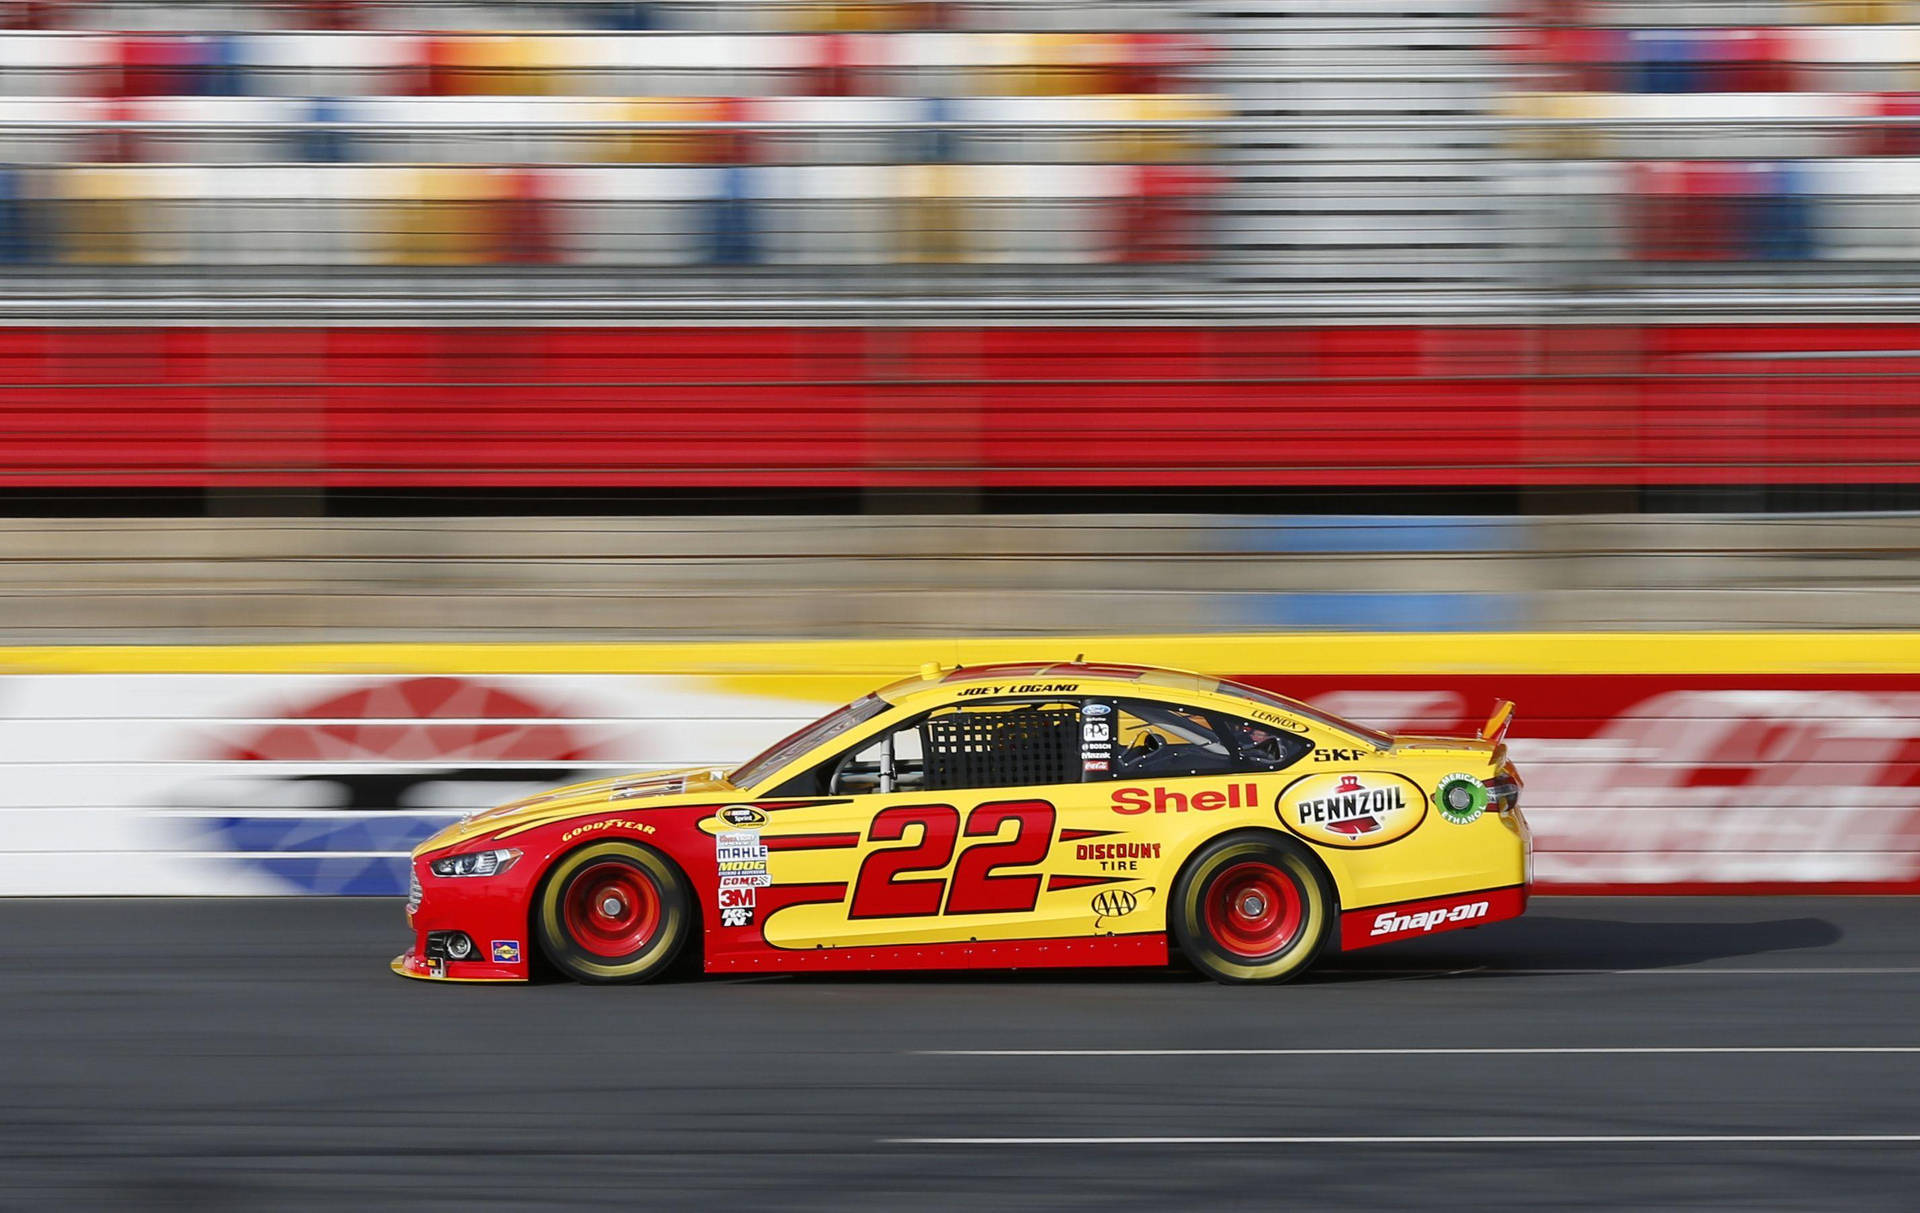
[[818, 733], [1294, 707]]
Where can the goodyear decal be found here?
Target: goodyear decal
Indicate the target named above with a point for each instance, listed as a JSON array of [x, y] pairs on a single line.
[[1352, 809]]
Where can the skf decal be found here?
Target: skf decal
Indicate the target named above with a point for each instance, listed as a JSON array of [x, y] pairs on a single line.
[[1338, 755], [612, 823], [743, 817], [506, 951], [1167, 800], [1363, 809]]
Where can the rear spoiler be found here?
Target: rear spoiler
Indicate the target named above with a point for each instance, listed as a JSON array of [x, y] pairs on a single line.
[[1495, 730]]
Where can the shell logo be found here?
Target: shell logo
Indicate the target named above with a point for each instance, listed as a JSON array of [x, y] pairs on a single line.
[[1352, 809]]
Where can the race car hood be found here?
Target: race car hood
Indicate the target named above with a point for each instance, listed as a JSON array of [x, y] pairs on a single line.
[[625, 791]]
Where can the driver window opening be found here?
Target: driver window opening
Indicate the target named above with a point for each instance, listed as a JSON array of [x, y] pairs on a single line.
[[985, 745]]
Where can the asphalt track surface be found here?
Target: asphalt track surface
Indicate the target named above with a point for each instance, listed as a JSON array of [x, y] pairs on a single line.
[[257, 1054]]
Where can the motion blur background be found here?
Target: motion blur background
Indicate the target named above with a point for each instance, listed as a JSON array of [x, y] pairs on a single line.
[[725, 320]]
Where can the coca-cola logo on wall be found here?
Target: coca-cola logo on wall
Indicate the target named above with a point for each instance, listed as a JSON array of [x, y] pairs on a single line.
[[1695, 780]]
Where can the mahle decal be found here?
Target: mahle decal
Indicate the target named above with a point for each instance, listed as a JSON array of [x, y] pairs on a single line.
[[1461, 799], [1361, 809]]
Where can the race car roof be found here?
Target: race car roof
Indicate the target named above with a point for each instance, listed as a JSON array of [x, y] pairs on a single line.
[[1028, 673]]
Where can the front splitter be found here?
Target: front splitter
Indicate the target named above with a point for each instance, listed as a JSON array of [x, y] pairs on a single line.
[[412, 964]]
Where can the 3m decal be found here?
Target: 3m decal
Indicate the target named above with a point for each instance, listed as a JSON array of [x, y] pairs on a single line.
[[1361, 809], [1169, 800], [736, 898], [887, 887], [506, 951], [1460, 798]]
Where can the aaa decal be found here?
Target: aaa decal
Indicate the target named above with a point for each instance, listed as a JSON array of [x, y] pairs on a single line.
[[1362, 809]]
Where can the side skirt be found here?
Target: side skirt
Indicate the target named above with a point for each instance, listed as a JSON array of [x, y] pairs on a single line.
[[1369, 926]]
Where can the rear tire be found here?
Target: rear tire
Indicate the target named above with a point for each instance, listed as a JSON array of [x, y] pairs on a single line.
[[1250, 908], [613, 912]]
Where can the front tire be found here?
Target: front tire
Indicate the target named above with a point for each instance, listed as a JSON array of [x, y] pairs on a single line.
[[613, 912], [1250, 908]]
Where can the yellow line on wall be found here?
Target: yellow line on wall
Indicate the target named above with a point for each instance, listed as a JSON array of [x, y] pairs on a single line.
[[872, 660]]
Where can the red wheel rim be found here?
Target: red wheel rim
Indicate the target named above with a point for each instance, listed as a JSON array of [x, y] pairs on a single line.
[[1254, 909], [612, 909]]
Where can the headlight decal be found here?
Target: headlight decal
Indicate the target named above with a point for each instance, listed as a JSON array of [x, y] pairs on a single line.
[[475, 863]]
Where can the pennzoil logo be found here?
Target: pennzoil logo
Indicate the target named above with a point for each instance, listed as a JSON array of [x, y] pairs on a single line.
[[1353, 810]]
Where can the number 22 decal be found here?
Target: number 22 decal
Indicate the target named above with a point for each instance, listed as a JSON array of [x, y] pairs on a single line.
[[880, 891]]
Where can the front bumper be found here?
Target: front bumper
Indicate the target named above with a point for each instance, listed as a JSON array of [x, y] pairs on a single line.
[[490, 911], [411, 963]]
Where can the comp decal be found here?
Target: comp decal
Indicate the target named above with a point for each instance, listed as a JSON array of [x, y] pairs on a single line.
[[1352, 809], [740, 864]]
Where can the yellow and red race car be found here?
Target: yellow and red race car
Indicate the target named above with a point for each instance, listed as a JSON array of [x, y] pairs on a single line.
[[1007, 816]]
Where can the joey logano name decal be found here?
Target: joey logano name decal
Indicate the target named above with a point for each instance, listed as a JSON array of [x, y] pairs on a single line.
[[1352, 809]]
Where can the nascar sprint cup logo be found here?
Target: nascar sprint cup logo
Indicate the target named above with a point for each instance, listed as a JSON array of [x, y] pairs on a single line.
[[1359, 809]]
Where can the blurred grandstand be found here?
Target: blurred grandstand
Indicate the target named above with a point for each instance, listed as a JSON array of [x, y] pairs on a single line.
[[1303, 313]]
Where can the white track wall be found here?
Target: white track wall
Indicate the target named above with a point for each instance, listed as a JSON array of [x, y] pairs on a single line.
[[254, 782]]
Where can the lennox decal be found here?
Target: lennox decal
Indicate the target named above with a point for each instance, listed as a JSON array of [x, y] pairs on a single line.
[[1361, 809]]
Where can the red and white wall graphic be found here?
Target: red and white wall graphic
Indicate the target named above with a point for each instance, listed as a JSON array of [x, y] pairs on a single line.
[[1685, 782], [320, 783]]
